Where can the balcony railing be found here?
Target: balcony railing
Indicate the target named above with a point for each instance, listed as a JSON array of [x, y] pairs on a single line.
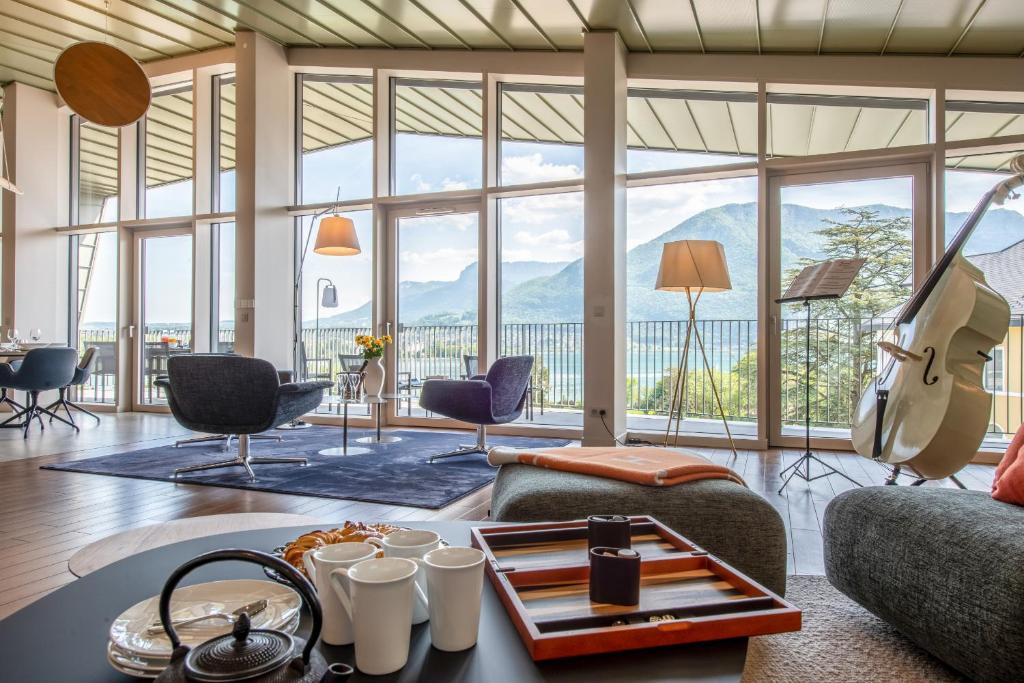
[[843, 360]]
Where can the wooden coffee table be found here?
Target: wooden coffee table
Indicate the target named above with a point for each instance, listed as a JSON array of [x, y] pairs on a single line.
[[63, 636]]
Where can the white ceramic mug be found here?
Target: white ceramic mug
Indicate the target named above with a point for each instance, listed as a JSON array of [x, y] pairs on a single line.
[[413, 544], [455, 581], [319, 563], [379, 599]]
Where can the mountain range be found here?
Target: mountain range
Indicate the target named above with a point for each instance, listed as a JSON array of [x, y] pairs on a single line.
[[537, 291]]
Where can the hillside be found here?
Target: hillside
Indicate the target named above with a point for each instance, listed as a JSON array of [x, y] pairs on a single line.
[[535, 291]]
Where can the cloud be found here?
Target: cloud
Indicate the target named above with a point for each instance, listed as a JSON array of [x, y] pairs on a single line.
[[549, 238], [531, 168]]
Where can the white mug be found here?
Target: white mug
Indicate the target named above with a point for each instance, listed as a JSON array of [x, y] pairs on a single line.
[[413, 544], [379, 599], [319, 563], [455, 581]]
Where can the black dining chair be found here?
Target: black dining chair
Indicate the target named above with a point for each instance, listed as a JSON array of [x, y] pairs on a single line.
[[83, 373], [43, 369]]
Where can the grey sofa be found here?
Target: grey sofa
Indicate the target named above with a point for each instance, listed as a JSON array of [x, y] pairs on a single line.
[[726, 519], [943, 566]]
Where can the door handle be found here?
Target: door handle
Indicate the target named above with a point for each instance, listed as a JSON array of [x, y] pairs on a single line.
[[131, 331]]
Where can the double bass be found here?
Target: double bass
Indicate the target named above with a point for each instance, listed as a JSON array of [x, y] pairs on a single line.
[[928, 408]]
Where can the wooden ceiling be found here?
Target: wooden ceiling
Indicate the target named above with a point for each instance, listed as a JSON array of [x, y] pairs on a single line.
[[33, 32]]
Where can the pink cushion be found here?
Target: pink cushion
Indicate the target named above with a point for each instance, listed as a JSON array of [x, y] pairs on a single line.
[[1008, 485]]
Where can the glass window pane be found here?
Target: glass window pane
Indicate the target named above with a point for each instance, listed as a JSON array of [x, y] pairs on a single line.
[[226, 145], [870, 219], [996, 247], [970, 117], [327, 347], [97, 173], [166, 307], [723, 210], [437, 301], [168, 150], [541, 133], [688, 128], [802, 125], [337, 139], [96, 298], [437, 128], [541, 300], [223, 322]]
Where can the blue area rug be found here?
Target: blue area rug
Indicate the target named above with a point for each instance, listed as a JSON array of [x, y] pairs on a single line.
[[394, 473]]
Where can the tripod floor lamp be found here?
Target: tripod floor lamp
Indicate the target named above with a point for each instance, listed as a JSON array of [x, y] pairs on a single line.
[[694, 267]]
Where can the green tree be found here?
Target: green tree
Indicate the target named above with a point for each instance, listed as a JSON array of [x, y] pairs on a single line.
[[843, 330]]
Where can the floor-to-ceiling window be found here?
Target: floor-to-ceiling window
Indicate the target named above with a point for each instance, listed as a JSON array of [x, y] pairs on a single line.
[[436, 127], [94, 310], [996, 246], [95, 173], [167, 153], [224, 143], [222, 288], [335, 305], [541, 133], [673, 130], [166, 280]]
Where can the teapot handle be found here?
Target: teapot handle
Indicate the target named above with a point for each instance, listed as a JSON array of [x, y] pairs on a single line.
[[300, 582]]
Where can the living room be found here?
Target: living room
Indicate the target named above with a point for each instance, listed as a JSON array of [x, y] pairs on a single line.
[[474, 289]]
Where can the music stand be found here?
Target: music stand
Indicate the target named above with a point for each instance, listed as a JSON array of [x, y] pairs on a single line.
[[828, 280]]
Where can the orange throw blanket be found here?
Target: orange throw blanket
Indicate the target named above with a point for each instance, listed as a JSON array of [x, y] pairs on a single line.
[[1008, 485], [645, 465]]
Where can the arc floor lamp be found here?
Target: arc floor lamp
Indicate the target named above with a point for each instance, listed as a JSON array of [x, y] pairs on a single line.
[[694, 267]]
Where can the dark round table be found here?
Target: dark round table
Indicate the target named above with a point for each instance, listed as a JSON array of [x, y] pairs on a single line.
[[63, 636]]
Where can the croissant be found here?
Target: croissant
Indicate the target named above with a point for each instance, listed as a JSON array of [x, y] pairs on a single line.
[[351, 532]]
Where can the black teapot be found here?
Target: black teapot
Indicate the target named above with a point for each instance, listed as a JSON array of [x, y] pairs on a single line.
[[247, 654]]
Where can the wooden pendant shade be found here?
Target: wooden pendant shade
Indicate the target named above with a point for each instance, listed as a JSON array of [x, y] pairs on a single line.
[[102, 84]]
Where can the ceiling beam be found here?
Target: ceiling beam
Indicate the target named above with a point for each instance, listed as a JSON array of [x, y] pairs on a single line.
[[480, 18], [639, 24], [380, 39], [536, 26], [316, 22], [696, 23], [821, 29], [970, 22], [397, 24], [87, 25], [184, 25], [433, 17], [892, 27]]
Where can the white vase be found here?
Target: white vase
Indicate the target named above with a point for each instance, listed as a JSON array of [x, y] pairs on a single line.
[[373, 377]]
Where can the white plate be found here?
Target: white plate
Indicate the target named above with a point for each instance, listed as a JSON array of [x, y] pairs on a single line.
[[128, 631], [150, 667]]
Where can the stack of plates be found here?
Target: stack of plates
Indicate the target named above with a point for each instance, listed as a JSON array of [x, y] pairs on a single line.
[[135, 651]]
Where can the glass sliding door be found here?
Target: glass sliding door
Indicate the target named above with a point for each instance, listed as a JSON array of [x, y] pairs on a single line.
[[94, 302], [164, 299], [877, 215], [435, 299]]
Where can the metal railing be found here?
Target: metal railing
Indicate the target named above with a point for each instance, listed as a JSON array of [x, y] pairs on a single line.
[[843, 358]]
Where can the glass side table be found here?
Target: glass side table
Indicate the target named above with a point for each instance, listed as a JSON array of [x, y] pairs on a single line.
[[345, 449], [377, 403]]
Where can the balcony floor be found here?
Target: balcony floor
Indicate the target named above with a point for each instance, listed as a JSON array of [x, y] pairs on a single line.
[[71, 510]]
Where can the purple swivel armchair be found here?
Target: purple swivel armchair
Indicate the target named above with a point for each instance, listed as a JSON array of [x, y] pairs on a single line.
[[492, 399]]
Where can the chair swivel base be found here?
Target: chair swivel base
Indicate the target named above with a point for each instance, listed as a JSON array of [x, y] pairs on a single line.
[[243, 459], [63, 402], [467, 449], [226, 438], [23, 419]]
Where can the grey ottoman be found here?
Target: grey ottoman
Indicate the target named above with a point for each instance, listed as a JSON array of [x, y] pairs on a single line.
[[726, 519], [944, 567]]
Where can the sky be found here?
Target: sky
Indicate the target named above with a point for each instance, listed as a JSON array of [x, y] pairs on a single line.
[[540, 228]]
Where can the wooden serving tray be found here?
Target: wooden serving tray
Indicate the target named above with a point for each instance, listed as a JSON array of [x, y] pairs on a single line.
[[542, 571]]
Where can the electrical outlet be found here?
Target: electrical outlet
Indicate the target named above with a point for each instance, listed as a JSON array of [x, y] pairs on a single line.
[[594, 412]]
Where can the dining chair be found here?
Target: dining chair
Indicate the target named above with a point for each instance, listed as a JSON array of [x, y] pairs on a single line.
[[42, 369]]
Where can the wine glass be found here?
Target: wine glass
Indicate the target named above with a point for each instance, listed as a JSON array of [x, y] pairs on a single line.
[[36, 334], [13, 335]]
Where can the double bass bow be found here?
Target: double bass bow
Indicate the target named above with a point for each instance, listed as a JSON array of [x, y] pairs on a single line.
[[928, 408]]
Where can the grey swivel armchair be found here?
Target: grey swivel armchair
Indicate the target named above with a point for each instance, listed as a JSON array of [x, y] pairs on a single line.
[[495, 398], [221, 394], [83, 373], [43, 369]]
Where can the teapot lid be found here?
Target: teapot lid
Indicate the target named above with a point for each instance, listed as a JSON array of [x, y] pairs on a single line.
[[239, 655]]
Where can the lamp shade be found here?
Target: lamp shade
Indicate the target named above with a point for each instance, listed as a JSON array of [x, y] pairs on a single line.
[[693, 264], [330, 297], [336, 236]]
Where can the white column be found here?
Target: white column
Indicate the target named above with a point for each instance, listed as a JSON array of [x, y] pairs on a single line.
[[604, 237], [35, 259], [264, 237]]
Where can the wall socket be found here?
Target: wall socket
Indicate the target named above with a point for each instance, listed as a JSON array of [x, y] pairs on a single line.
[[596, 412]]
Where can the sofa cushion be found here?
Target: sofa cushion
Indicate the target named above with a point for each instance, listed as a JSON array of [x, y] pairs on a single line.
[[728, 520], [941, 565]]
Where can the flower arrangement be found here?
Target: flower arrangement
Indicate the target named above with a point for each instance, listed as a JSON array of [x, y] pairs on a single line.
[[370, 346]]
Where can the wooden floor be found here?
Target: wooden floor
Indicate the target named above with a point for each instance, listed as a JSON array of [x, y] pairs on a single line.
[[46, 516]]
